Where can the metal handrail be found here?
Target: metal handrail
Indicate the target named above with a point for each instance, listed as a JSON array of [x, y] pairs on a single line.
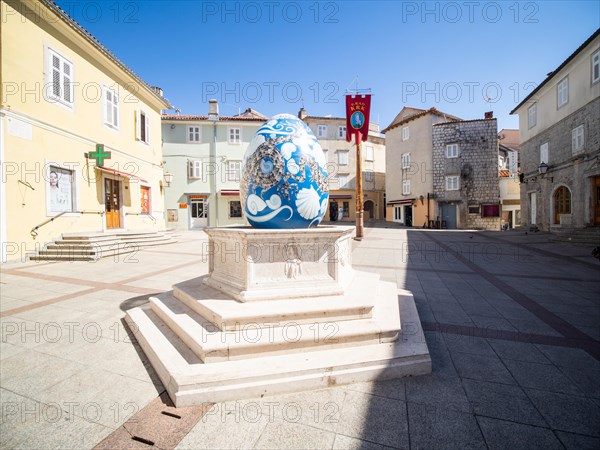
[[34, 232], [142, 214]]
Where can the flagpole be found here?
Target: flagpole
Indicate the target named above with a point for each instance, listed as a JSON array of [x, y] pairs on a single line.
[[359, 191]]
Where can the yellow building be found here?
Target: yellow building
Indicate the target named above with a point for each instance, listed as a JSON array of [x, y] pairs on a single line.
[[65, 99]]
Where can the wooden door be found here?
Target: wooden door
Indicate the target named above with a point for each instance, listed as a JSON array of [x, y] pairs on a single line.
[[596, 191], [112, 202]]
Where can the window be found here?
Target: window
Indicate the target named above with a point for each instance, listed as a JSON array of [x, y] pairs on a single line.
[[111, 107], [452, 183], [234, 170], [321, 130], [326, 152], [342, 157], [452, 151], [59, 77], [577, 140], [492, 210], [544, 153], [369, 176], [195, 169], [235, 135], [474, 209], [235, 209], [343, 179], [145, 200], [562, 92], [405, 187], [60, 191], [406, 161], [346, 209], [369, 153], [596, 67], [532, 116], [142, 126], [342, 132], [398, 213], [405, 134], [193, 134]]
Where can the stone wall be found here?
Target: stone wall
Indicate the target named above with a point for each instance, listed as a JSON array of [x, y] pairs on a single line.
[[476, 166], [565, 168]]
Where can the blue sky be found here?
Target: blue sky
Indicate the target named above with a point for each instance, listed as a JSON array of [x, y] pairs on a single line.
[[463, 58]]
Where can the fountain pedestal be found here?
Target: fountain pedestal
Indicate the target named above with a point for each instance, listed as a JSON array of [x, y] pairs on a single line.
[[279, 311]]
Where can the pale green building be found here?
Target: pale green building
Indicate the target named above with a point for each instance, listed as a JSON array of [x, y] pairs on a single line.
[[204, 156]]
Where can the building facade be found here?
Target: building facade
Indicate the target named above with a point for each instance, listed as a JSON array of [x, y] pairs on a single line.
[[341, 166], [508, 173], [465, 179], [204, 154], [80, 137], [409, 166], [560, 144]]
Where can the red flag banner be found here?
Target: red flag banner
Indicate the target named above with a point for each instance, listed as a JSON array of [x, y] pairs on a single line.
[[358, 108]]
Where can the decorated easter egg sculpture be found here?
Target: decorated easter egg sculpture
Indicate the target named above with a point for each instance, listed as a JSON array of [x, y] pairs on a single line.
[[284, 179]]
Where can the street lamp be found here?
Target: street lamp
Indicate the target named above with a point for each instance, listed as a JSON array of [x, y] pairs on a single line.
[[543, 168], [168, 178]]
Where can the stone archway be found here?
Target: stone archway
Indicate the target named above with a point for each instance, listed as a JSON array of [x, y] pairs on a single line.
[[369, 209], [561, 203]]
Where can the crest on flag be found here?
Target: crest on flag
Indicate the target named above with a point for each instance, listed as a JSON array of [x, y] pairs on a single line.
[[358, 108]]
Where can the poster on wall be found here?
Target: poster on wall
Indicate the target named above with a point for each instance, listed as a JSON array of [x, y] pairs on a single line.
[[60, 190]]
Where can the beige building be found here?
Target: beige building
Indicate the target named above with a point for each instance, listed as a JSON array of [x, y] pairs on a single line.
[[341, 166], [64, 98], [409, 166], [560, 144], [508, 172]]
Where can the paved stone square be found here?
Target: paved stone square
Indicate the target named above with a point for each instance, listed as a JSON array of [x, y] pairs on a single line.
[[512, 321]]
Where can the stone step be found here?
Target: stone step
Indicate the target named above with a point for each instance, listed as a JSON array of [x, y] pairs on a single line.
[[228, 314], [93, 245], [189, 381], [91, 251], [251, 340]]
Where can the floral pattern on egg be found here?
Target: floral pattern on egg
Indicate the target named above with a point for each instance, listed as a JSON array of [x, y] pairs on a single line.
[[284, 178]]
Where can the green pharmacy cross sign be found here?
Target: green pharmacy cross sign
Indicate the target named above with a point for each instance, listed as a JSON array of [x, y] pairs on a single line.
[[99, 155]]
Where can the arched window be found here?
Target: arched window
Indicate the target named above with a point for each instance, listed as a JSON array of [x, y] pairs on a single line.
[[562, 203]]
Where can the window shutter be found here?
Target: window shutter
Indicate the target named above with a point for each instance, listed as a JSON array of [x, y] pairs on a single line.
[[147, 125], [190, 169], [115, 107], [138, 127]]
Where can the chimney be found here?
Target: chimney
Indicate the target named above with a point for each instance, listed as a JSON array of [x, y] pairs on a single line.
[[213, 109], [302, 114], [489, 115]]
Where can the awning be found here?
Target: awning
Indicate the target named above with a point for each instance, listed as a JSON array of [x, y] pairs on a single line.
[[404, 201], [230, 193], [340, 197], [119, 173]]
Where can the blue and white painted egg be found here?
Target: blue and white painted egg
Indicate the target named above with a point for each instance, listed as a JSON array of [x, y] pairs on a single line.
[[284, 177]]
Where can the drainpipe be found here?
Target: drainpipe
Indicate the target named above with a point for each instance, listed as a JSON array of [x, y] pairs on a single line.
[[213, 114], [428, 216]]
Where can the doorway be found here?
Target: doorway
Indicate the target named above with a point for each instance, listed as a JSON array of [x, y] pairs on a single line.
[[408, 216], [596, 192], [112, 203], [533, 208], [369, 208], [448, 213], [198, 213]]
